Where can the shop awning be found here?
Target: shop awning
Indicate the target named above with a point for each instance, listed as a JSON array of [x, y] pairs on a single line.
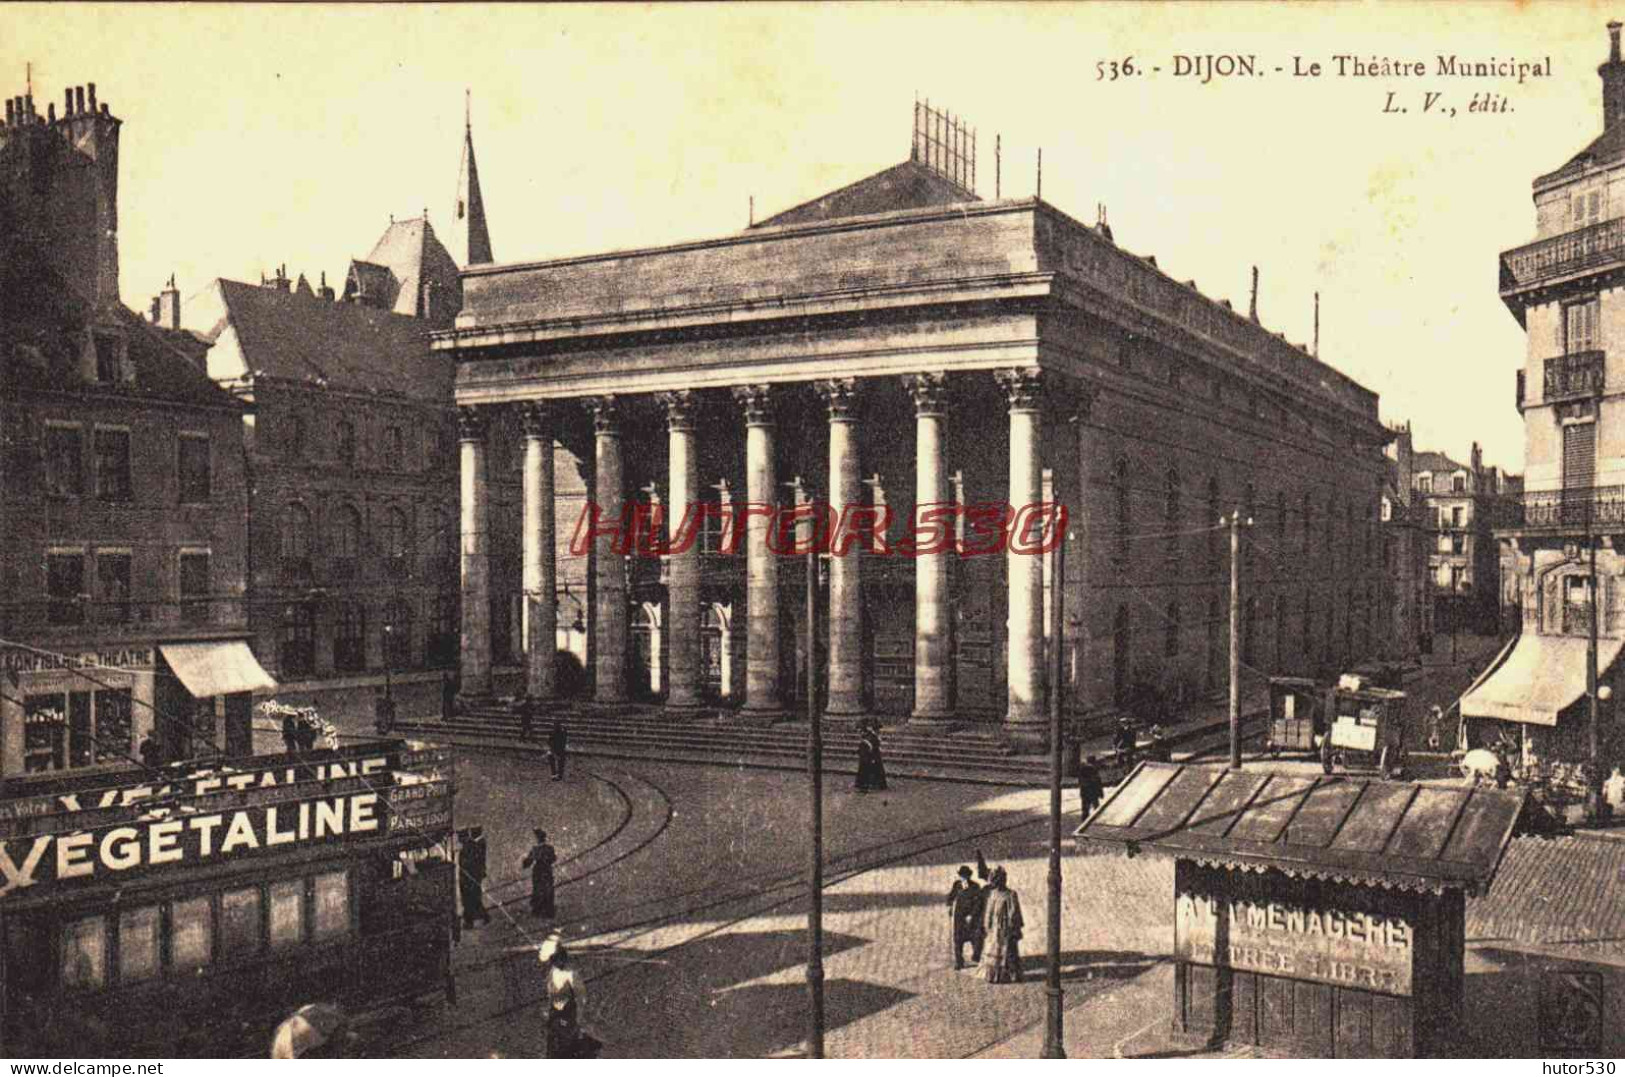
[[216, 667], [1543, 675], [1339, 827]]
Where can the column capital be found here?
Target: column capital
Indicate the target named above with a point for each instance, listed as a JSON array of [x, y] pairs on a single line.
[[840, 396], [536, 416], [1022, 385], [679, 406], [930, 392], [606, 413], [472, 423], [757, 403]]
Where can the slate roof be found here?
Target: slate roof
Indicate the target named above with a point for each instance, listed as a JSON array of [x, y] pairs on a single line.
[[1397, 835], [346, 345], [1435, 461], [407, 254], [1606, 149], [909, 185]]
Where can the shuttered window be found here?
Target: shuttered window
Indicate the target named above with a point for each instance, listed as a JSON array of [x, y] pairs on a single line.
[[1579, 455]]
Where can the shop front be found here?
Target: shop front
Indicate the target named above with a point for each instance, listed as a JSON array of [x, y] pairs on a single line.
[[1321, 916], [91, 707]]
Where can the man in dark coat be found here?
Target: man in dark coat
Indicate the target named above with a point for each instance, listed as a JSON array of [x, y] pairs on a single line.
[[558, 746], [540, 861], [965, 916], [152, 756], [471, 877], [1091, 790], [528, 708], [290, 734], [448, 697]]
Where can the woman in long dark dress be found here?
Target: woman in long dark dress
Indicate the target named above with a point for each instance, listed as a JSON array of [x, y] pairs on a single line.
[[871, 763]]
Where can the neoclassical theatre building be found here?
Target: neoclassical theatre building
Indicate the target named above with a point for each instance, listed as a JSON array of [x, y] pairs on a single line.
[[902, 342]]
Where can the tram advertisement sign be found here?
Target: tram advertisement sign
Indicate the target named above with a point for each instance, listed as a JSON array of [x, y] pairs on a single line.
[[173, 839], [1342, 947]]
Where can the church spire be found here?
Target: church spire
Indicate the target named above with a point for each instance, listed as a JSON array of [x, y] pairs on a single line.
[[472, 244]]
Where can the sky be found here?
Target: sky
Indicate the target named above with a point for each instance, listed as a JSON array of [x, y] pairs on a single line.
[[256, 136]]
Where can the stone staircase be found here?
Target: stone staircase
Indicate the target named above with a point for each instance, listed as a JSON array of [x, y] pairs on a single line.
[[961, 752]]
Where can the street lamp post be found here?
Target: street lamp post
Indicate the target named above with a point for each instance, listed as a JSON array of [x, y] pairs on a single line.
[[1053, 1047], [815, 787]]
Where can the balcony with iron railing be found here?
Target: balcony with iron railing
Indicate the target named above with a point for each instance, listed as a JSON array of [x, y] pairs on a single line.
[[1596, 247], [1579, 374], [1571, 509]]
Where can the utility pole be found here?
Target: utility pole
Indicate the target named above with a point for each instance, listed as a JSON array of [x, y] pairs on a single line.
[[1235, 640], [1053, 1047], [815, 786]]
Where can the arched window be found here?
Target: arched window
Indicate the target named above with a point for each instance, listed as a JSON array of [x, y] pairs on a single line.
[[1170, 628], [398, 635], [1124, 508], [1122, 653], [344, 533], [392, 534], [296, 640], [344, 442], [441, 646], [350, 637], [1171, 512], [295, 533]]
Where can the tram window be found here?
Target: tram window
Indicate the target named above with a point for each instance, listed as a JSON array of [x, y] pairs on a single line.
[[287, 912], [138, 944], [332, 916], [240, 922], [84, 953], [191, 934]]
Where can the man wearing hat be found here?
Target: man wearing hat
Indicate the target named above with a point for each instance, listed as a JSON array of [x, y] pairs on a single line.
[[540, 861], [965, 916], [471, 877], [1091, 789]]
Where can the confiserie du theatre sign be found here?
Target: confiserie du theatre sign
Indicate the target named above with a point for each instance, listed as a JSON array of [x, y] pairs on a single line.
[[1327, 945]]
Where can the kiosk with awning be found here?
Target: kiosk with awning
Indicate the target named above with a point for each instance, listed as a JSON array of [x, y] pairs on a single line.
[[213, 682], [1321, 915]]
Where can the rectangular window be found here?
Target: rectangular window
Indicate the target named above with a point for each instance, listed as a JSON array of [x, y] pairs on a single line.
[[1585, 207], [84, 953], [45, 733], [138, 944], [1456, 516], [332, 917], [109, 358], [191, 934], [112, 587], [1579, 327], [194, 468], [113, 465], [113, 725], [287, 913], [194, 579], [65, 587], [1458, 543], [240, 922], [64, 461]]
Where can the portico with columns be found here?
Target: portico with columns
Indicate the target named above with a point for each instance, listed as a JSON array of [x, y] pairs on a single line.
[[946, 350]]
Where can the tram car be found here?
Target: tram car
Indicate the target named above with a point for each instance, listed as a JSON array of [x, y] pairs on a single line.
[[1367, 729], [1297, 716], [186, 913]]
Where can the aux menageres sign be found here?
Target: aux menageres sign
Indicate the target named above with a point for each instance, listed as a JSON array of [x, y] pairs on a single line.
[[1328, 945]]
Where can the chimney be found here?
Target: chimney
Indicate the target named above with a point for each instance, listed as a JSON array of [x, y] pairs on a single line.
[[167, 306], [11, 111], [1613, 81], [324, 291], [1252, 307], [92, 87], [78, 100], [152, 313], [67, 102]]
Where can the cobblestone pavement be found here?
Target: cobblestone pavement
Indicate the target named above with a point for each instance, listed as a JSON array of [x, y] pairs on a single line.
[[681, 887]]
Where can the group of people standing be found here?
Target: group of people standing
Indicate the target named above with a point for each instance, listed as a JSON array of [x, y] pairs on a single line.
[[988, 919]]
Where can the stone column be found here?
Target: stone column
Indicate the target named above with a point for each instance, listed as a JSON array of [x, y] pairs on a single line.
[[475, 653], [1024, 573], [682, 622], [762, 692], [933, 656], [540, 571], [845, 667], [609, 610]]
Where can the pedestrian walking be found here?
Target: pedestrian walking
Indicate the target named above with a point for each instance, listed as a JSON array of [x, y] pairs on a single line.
[[871, 759], [290, 733], [307, 734], [965, 917], [1001, 928], [152, 756], [527, 713], [540, 861], [1091, 790], [558, 747], [566, 1002], [471, 877], [448, 697]]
